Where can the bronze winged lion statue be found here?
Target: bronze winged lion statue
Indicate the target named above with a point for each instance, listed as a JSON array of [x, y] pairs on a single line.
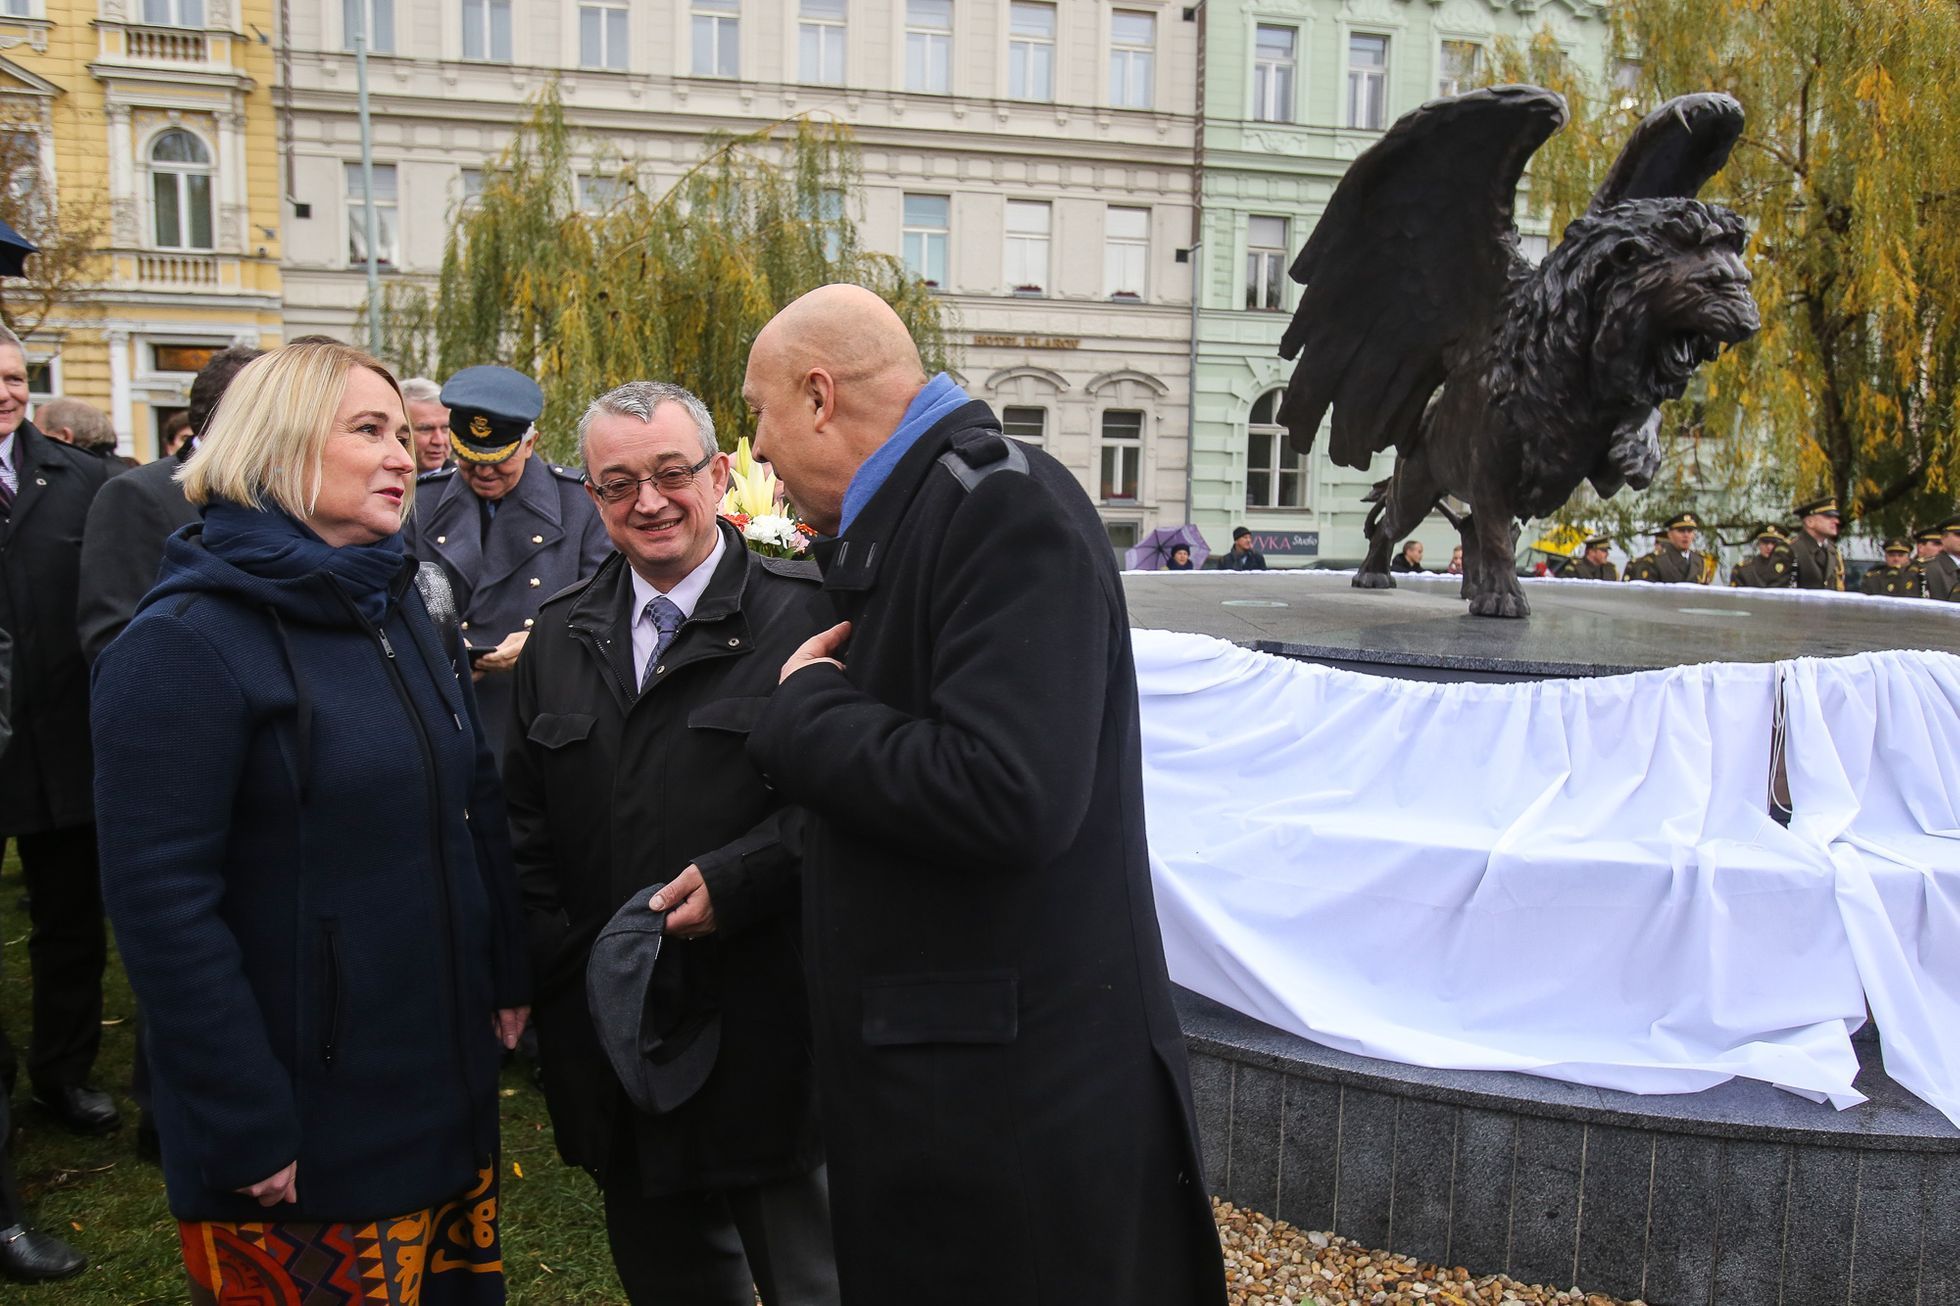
[[1424, 329]]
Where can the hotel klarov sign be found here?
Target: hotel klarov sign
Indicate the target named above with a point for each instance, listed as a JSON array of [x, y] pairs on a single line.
[[1028, 342]]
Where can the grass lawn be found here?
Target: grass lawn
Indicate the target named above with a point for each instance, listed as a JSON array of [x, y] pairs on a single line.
[[108, 1202]]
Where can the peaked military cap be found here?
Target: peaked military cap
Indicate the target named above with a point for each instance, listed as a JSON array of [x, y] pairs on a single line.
[[1771, 533], [1824, 507], [1681, 519], [1599, 541], [1928, 535], [490, 410], [1951, 525], [1897, 544]]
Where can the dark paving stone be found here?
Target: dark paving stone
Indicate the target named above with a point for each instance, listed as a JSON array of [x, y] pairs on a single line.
[[1885, 1256], [1817, 1250], [1211, 1094], [1749, 1239], [1681, 1225], [1365, 1186], [1252, 1179], [1613, 1218], [1310, 1125], [1425, 1155], [1545, 1204], [1480, 1205], [1939, 1247]]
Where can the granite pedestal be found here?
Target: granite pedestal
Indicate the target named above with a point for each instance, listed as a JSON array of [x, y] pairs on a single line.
[[1742, 1195]]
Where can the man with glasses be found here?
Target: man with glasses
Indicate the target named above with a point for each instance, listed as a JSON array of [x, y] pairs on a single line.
[[509, 529], [428, 417], [626, 767]]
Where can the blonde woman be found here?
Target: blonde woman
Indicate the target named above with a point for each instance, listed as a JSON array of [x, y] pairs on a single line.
[[319, 917]]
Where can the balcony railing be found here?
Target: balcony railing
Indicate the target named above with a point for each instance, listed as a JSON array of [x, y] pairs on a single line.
[[178, 45], [164, 271]]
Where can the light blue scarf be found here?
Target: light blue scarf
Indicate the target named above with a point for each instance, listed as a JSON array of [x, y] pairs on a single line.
[[941, 396]]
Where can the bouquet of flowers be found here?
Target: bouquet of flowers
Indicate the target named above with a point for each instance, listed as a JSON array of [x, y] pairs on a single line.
[[756, 505]]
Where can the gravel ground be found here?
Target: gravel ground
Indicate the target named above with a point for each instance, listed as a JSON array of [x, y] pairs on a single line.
[[1270, 1263]]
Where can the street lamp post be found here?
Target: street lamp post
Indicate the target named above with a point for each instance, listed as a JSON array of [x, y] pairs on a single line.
[[371, 219]]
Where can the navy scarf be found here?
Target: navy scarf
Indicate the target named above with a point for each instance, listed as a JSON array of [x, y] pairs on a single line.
[[273, 544]]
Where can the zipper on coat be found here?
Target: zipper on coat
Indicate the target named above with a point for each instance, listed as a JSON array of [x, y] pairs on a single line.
[[334, 998]]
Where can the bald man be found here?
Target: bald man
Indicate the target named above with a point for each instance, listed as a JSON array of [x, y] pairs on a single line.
[[1001, 1075]]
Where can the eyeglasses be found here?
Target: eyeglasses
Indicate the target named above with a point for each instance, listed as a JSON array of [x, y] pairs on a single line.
[[669, 480]]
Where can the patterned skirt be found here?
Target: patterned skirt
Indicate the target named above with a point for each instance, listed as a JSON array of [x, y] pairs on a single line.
[[442, 1256]]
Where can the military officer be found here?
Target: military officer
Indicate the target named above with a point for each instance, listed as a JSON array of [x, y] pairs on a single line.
[[1926, 546], [509, 528], [1943, 572], [1675, 560], [1592, 563], [1771, 569], [1815, 546], [1892, 577]]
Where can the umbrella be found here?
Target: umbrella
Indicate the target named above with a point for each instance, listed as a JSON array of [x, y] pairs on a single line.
[[14, 250], [1153, 551]]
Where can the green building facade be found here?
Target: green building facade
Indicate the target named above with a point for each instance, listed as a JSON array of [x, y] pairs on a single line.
[[1291, 92]]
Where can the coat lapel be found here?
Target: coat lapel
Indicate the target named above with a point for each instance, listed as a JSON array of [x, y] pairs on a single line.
[[34, 467], [528, 521], [450, 533]]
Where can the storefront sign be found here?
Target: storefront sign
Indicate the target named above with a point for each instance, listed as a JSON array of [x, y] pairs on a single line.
[[1029, 342], [1287, 544]]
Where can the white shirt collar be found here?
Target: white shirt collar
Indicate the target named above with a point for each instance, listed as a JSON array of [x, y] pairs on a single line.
[[688, 591]]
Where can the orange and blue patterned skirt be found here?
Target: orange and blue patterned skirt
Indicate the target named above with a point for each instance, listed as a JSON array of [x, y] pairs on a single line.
[[443, 1256]]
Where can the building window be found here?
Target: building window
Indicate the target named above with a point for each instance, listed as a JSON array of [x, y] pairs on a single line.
[[1132, 58], [180, 190], [929, 46], [16, 8], [486, 30], [1122, 535], [1028, 226], [1626, 84], [1272, 74], [820, 43], [1122, 454], [1275, 472], [717, 38], [469, 187], [174, 13], [598, 194], [21, 177], [380, 18], [1460, 68], [1030, 51], [1367, 100], [828, 215], [1126, 252], [1265, 262], [928, 220], [602, 36], [387, 248], [1028, 425]]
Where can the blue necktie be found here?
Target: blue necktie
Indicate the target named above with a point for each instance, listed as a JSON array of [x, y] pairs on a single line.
[[666, 619]]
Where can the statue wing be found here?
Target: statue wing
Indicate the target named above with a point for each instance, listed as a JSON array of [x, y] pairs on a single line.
[[1674, 150], [1409, 261]]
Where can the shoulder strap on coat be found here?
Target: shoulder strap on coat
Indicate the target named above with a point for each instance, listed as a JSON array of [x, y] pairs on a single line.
[[978, 454]]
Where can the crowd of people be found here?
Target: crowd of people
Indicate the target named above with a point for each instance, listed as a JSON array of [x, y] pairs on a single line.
[[823, 890]]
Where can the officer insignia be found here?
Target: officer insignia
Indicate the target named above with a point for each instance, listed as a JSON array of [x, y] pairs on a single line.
[[480, 427], [1779, 566]]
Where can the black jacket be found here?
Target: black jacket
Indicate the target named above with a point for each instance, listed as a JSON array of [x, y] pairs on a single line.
[[612, 790], [1819, 567], [122, 547], [1002, 1076], [46, 776], [320, 918]]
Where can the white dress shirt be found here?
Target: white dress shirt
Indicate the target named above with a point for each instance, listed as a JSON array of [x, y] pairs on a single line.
[[7, 472], [684, 596]]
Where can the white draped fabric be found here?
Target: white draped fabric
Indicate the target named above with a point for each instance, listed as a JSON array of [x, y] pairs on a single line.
[[1601, 896]]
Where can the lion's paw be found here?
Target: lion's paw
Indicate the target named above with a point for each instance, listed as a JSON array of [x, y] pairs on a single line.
[[1373, 580], [1499, 604]]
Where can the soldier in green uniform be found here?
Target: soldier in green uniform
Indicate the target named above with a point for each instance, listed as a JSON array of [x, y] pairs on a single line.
[[1815, 546], [1675, 560], [1926, 546], [1591, 564], [1943, 572], [1892, 577], [1771, 569]]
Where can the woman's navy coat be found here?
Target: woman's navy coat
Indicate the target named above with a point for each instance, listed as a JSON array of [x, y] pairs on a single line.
[[305, 858]]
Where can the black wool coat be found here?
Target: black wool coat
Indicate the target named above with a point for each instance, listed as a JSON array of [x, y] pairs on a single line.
[[612, 790], [122, 547], [47, 774], [1006, 1103]]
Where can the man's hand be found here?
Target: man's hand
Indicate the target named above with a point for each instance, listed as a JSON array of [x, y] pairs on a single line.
[[690, 913], [508, 1025], [501, 658], [822, 647], [282, 1187]]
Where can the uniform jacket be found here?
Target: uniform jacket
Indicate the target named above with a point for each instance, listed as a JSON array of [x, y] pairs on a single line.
[[46, 775], [122, 546], [1580, 569], [1818, 565], [612, 790], [1669, 566], [320, 918], [1002, 1076], [1885, 579], [545, 535], [1776, 572], [1943, 577]]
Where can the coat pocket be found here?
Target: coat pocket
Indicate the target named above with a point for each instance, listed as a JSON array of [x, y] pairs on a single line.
[[972, 1007], [333, 993], [557, 729], [736, 715]]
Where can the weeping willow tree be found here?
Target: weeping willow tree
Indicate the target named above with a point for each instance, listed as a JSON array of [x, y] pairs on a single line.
[[1848, 174], [585, 283]]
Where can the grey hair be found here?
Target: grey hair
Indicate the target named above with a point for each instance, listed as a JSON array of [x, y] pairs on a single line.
[[90, 425], [641, 399], [421, 390]]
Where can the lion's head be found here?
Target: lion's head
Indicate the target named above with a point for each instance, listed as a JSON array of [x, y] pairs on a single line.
[[1665, 288]]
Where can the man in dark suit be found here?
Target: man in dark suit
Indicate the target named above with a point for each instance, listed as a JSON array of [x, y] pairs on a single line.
[[1001, 1075], [47, 804], [509, 528], [1814, 547], [122, 545], [634, 699], [1943, 571]]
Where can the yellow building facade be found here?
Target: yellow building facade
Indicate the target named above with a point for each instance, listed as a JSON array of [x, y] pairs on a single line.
[[157, 116]]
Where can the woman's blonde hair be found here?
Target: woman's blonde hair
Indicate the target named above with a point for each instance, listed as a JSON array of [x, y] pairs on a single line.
[[270, 430]]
